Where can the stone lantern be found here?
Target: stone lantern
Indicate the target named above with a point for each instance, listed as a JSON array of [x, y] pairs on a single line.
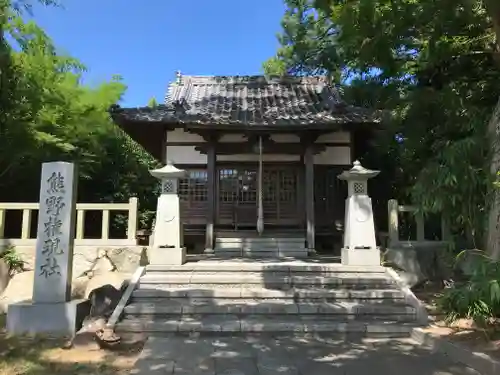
[[167, 247], [360, 247]]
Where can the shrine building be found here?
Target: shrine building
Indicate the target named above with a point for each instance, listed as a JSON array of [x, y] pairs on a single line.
[[262, 155]]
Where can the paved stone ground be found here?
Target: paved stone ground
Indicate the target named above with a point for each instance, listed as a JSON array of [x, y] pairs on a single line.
[[291, 355]]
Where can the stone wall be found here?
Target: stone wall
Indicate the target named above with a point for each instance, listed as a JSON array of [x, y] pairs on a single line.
[[123, 259], [93, 267]]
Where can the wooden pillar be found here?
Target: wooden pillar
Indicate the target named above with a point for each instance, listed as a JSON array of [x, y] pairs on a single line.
[[309, 190], [211, 195], [260, 209]]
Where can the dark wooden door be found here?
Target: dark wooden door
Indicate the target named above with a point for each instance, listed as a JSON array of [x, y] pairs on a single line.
[[237, 200], [281, 196], [329, 197], [238, 195]]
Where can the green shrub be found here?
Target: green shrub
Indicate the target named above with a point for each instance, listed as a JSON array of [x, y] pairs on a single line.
[[12, 259], [478, 298]]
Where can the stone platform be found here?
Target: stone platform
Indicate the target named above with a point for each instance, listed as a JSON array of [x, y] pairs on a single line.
[[272, 246], [241, 296]]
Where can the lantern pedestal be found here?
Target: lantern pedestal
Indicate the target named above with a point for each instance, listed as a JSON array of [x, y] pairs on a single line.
[[356, 257], [167, 247], [159, 256], [360, 247]]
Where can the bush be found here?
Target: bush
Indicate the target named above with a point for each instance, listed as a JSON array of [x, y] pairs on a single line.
[[12, 259], [478, 298]]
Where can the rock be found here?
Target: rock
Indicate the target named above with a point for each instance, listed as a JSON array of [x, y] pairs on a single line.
[[92, 260], [411, 279], [127, 259], [405, 262], [79, 288], [4, 275], [20, 288], [103, 301], [421, 262], [98, 280], [85, 337], [107, 338], [84, 259], [103, 265], [469, 261]]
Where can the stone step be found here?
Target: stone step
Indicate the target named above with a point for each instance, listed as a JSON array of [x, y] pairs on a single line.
[[238, 291], [250, 295], [238, 307], [401, 318], [260, 278], [258, 324], [260, 249], [260, 240], [268, 286], [262, 253], [299, 267], [261, 245]]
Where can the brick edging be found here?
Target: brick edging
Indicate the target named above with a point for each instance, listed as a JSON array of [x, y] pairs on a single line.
[[478, 361], [410, 297], [117, 313]]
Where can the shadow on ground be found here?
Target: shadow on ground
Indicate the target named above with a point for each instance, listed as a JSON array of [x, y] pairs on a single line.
[[235, 353], [287, 355], [42, 355], [193, 305]]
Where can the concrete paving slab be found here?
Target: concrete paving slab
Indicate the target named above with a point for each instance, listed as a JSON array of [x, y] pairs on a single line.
[[289, 354]]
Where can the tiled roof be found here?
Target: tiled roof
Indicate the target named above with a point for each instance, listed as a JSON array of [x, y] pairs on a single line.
[[251, 101]]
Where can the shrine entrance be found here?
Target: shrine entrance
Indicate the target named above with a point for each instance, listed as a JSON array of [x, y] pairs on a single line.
[[237, 203]]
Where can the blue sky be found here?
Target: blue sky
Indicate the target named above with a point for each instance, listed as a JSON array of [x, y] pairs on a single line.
[[147, 41]]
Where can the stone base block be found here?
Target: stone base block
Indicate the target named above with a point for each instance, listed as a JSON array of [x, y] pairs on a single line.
[[361, 257], [167, 256], [209, 251], [63, 318]]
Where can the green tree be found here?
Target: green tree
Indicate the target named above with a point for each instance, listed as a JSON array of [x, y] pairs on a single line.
[[152, 103], [433, 68], [493, 232], [52, 116], [7, 8]]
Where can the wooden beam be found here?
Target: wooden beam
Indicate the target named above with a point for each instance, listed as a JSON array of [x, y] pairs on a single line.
[[164, 146], [248, 148]]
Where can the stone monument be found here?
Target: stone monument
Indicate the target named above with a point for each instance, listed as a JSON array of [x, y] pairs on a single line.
[[167, 247], [51, 309], [360, 247]]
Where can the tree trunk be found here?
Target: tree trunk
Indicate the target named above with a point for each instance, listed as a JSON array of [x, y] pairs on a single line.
[[4, 62], [493, 230], [493, 7]]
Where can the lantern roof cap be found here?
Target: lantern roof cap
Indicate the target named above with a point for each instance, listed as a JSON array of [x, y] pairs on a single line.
[[168, 171], [358, 172]]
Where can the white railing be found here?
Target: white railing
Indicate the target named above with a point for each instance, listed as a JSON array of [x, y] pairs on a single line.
[[81, 208], [394, 209]]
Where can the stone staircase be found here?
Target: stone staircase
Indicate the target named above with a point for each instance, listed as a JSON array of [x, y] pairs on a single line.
[[214, 297], [274, 246]]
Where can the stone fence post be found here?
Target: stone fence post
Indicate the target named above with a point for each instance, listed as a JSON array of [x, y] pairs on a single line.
[[393, 212]]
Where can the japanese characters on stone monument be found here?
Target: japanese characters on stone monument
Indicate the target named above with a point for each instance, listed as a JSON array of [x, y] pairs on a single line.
[[55, 235], [51, 309], [360, 247], [167, 247]]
